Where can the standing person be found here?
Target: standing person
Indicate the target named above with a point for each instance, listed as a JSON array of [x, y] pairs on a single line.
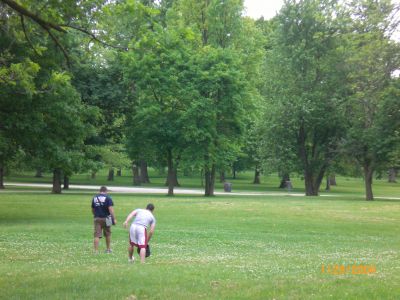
[[138, 235], [102, 207]]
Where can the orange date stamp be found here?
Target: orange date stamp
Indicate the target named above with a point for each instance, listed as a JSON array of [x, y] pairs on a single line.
[[336, 269]]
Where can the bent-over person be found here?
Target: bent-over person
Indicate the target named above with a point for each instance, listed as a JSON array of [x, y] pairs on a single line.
[[138, 234]]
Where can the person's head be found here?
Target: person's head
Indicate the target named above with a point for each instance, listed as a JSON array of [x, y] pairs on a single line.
[[103, 189], [150, 207]]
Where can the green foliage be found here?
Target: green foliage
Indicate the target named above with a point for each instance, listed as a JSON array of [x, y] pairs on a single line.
[[113, 156], [217, 115], [158, 66], [305, 88], [41, 111], [373, 107], [185, 88]]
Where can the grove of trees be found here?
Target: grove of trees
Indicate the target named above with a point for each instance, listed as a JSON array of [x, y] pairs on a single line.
[[195, 84]]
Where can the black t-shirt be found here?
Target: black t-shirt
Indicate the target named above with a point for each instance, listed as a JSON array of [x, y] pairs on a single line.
[[101, 203]]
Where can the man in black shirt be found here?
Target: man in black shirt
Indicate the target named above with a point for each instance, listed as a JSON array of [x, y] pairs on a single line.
[[102, 207]]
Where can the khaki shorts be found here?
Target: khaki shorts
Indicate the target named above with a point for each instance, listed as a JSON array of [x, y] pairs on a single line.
[[100, 228]]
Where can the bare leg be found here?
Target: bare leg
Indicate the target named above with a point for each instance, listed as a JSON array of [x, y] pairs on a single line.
[[96, 244], [108, 242], [142, 255], [130, 251]]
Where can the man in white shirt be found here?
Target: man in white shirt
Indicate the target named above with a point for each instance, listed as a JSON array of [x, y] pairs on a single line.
[[138, 235]]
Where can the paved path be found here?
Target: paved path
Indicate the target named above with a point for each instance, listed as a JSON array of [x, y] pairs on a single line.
[[164, 191], [146, 190]]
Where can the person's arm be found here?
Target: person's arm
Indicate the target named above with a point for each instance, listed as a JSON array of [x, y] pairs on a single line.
[[151, 231], [93, 211], [129, 217], [111, 210]]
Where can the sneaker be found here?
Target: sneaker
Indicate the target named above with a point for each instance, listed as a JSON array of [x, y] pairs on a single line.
[[108, 251], [131, 260]]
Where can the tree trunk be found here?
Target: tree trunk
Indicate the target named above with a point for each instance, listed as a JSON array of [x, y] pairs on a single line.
[[110, 174], [284, 180], [233, 173], [56, 181], [332, 180], [171, 174], [93, 175], [328, 183], [136, 177], [256, 176], [368, 172], [209, 176], [312, 184], [39, 173], [2, 177], [222, 176], [144, 175], [66, 182], [119, 172], [173, 177], [392, 175]]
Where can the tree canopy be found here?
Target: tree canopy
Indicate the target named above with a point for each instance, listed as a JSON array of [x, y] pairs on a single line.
[[194, 84]]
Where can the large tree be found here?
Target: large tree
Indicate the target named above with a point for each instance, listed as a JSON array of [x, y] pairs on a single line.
[[373, 110], [305, 88], [217, 115], [158, 67], [42, 113], [225, 70]]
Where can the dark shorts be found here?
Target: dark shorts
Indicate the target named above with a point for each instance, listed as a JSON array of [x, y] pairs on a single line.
[[100, 228]]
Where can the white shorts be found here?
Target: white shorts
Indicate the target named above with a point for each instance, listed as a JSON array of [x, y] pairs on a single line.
[[138, 236]]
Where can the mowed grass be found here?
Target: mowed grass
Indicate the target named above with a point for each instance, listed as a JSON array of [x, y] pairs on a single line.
[[225, 247]]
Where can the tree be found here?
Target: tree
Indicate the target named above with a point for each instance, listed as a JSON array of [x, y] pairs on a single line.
[[16, 100], [51, 117], [374, 106], [394, 164], [158, 67], [225, 71], [58, 18], [305, 89], [217, 115], [63, 127]]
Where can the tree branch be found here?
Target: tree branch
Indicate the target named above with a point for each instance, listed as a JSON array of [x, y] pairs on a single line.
[[23, 11], [48, 26], [94, 37], [26, 35], [55, 40]]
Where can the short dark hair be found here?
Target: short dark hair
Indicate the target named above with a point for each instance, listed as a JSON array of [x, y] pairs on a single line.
[[150, 207], [103, 189]]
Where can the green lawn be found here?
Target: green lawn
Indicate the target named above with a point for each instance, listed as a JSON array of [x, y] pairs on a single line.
[[226, 247]]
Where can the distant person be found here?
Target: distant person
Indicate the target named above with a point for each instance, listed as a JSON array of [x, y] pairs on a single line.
[[138, 235], [102, 207]]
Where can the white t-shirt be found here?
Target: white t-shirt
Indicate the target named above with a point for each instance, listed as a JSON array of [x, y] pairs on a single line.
[[144, 217]]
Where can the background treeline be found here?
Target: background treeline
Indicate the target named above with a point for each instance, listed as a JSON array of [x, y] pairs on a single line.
[[194, 86]]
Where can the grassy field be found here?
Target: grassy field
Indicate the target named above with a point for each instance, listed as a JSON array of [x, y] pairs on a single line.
[[226, 247]]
